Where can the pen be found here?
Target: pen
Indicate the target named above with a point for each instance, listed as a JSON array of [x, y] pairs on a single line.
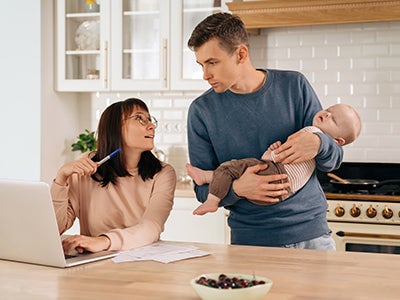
[[99, 163]]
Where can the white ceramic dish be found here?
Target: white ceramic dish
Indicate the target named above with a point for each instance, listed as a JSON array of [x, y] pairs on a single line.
[[255, 292]]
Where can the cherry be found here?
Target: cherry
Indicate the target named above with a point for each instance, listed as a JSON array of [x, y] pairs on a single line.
[[224, 282]]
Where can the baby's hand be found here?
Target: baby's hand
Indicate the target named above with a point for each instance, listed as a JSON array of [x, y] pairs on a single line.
[[274, 146], [267, 154]]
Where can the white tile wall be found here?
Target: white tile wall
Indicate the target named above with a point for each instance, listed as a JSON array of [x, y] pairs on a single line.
[[358, 64]]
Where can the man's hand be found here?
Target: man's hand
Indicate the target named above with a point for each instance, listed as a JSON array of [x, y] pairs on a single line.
[[299, 147], [259, 187]]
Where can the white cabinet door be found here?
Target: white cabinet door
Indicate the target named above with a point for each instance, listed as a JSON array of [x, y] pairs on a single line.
[[139, 45], [152, 53], [82, 46], [185, 73], [183, 226]]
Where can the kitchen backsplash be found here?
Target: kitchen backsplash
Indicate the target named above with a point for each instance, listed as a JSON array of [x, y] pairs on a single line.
[[357, 64]]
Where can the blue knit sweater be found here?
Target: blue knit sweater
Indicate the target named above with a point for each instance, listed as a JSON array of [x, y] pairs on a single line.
[[225, 126]]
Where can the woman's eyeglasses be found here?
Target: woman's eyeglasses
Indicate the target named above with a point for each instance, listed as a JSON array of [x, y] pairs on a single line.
[[143, 119]]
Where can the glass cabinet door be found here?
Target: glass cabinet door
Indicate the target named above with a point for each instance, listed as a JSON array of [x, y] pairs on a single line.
[[129, 45], [140, 32], [185, 72], [82, 45]]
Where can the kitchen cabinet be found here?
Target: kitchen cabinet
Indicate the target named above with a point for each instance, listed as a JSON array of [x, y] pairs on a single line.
[[273, 13], [82, 46], [183, 226], [185, 73], [129, 45], [139, 45]]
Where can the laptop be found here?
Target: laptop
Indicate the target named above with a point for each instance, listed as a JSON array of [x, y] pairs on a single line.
[[28, 227]]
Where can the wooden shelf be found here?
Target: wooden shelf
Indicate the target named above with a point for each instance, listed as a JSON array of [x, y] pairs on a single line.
[[275, 13]]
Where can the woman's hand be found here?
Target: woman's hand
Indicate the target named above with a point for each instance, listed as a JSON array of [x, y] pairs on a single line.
[[82, 166], [81, 243], [259, 187]]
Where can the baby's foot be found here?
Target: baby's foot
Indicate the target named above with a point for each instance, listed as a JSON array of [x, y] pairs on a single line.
[[210, 205], [198, 175], [204, 208]]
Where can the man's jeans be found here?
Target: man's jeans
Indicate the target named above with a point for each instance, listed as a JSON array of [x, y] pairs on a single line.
[[324, 242]]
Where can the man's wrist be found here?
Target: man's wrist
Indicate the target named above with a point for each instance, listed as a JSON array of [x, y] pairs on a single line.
[[234, 189]]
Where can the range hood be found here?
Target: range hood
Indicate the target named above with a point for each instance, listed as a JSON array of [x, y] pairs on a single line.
[[275, 13]]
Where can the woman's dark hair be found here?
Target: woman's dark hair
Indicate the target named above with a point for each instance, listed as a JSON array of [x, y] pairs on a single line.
[[228, 29], [109, 138]]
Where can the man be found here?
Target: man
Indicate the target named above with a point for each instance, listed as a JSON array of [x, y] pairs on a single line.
[[246, 110]]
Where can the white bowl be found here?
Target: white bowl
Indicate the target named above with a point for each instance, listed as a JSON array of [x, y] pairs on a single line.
[[254, 292]]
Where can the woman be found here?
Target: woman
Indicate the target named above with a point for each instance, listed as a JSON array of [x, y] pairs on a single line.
[[125, 202]]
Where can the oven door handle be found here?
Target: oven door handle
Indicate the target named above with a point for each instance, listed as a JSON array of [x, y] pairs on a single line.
[[368, 235]]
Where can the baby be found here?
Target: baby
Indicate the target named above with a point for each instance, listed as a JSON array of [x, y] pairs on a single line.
[[340, 121]]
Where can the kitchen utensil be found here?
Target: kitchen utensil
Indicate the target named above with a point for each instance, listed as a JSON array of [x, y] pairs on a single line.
[[362, 184], [337, 178]]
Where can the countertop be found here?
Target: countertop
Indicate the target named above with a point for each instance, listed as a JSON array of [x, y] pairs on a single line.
[[296, 274]]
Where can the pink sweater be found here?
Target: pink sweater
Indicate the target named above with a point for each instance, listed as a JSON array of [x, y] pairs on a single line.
[[131, 214]]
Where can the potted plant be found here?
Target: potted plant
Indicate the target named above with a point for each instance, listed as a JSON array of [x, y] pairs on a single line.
[[86, 142]]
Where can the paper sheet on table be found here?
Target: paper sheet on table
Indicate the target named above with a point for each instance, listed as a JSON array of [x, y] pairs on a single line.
[[161, 252]]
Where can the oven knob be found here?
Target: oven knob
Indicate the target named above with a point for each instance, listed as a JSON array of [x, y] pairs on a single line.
[[339, 211], [387, 213], [371, 212], [355, 211]]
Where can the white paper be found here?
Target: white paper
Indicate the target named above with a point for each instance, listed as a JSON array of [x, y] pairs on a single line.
[[160, 251]]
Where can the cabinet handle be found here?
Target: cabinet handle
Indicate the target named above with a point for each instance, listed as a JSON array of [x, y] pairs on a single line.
[[368, 235], [165, 63], [105, 65]]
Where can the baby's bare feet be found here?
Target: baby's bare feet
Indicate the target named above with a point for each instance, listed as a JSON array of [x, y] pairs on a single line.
[[198, 175], [204, 208], [210, 205]]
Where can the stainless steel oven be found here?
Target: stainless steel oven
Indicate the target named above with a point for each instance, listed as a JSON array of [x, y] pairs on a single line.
[[365, 220]]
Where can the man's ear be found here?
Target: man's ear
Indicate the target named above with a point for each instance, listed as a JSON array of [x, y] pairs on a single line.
[[243, 53], [340, 141]]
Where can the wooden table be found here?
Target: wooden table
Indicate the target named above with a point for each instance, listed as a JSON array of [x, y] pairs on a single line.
[[296, 274]]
